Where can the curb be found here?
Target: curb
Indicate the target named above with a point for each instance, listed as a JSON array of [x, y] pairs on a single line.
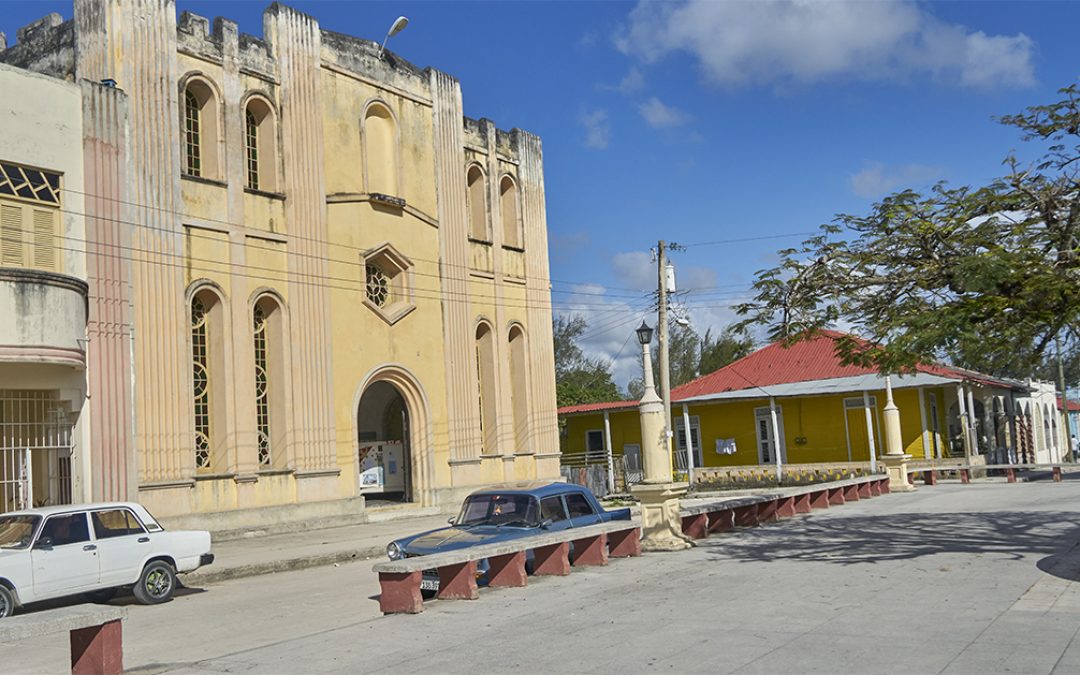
[[211, 576]]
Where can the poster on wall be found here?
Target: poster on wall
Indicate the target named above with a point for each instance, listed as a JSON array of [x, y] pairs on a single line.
[[381, 467]]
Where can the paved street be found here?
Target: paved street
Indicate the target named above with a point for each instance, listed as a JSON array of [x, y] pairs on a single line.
[[953, 579]]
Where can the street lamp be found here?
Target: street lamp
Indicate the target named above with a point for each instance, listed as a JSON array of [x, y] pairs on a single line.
[[644, 333], [395, 28]]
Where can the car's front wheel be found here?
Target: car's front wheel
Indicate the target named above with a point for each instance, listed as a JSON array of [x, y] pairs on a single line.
[[7, 601], [156, 583]]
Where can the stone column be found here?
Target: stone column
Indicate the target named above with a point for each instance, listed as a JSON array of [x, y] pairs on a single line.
[[894, 458], [661, 524]]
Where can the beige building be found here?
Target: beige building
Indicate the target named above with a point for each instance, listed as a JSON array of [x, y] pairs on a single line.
[[326, 282]]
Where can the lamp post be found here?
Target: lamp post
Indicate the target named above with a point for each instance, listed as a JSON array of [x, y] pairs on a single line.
[[661, 526], [395, 28]]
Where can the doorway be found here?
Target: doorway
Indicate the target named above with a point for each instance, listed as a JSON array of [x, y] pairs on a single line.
[[384, 455]]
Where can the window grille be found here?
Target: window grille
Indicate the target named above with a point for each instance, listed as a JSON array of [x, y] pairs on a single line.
[[192, 153], [33, 184], [378, 285], [262, 386], [251, 146], [201, 383]]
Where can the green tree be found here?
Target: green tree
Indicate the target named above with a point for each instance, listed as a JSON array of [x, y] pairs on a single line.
[[579, 379], [720, 350], [691, 356], [986, 274]]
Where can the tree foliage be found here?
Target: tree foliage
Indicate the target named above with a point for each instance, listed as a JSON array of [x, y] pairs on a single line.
[[982, 275], [690, 355], [579, 379]]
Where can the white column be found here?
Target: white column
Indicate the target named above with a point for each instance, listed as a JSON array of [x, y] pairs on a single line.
[[965, 437], [777, 441], [971, 422], [925, 429], [870, 430], [689, 444], [610, 459]]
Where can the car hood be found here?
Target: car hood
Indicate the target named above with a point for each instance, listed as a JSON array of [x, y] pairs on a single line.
[[455, 538]]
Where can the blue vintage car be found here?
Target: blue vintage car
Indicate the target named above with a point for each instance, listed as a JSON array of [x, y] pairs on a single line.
[[500, 514]]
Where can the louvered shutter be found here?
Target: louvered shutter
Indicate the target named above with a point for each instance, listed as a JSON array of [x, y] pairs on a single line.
[[11, 235], [45, 251]]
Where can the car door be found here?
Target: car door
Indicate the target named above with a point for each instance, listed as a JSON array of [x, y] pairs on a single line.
[[63, 558], [122, 544], [553, 509], [580, 510]]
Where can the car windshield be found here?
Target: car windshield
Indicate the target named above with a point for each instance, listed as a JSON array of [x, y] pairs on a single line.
[[17, 531], [496, 509]]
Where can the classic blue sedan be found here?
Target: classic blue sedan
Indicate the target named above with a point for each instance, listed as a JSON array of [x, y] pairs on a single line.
[[493, 515]]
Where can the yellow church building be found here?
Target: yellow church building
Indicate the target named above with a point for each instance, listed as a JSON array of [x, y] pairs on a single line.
[[309, 278]]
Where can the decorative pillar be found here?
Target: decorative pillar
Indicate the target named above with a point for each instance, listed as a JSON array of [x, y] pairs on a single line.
[[661, 524], [870, 430], [894, 458]]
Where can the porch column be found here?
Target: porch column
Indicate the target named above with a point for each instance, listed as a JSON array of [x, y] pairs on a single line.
[[927, 453], [971, 421], [689, 444], [777, 441], [965, 437], [870, 430], [1011, 436], [610, 458]]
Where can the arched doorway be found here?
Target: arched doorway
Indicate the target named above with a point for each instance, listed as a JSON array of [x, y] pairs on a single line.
[[384, 451]]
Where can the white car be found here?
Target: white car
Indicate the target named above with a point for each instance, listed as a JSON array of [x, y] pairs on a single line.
[[93, 549]]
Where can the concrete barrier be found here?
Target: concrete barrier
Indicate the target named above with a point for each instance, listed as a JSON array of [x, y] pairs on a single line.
[[94, 634]]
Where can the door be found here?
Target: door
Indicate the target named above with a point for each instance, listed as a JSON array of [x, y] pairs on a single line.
[[767, 444], [552, 508], [122, 544], [858, 438], [70, 564], [579, 509]]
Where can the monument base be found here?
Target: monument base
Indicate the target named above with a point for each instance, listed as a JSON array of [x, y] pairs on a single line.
[[661, 522], [896, 468]]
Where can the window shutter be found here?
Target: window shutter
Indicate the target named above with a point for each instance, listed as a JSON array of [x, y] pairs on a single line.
[[11, 249], [45, 252]]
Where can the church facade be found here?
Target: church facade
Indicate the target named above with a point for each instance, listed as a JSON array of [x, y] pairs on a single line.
[[308, 276]]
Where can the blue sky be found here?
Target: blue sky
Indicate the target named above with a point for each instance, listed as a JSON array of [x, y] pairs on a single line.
[[708, 121]]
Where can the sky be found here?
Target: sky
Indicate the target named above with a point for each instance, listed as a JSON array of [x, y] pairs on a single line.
[[732, 128]]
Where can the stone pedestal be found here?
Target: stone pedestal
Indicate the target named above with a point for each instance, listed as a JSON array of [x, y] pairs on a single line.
[[896, 468], [661, 523]]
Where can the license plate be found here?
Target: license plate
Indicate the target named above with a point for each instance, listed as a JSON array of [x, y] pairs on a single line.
[[429, 584]]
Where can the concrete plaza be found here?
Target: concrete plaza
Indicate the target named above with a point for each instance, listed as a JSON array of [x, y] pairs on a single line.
[[955, 579]]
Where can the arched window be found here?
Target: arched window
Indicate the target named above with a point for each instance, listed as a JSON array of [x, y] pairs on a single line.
[[200, 139], [380, 150], [485, 375], [519, 388], [260, 144], [207, 364], [476, 198], [508, 208], [269, 367]]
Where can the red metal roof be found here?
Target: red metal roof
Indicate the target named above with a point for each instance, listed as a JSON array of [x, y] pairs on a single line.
[[1073, 405], [597, 407]]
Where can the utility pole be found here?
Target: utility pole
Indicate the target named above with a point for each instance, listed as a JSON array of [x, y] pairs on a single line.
[[662, 338]]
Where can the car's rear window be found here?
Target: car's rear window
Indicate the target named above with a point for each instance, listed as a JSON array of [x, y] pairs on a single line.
[[578, 505], [115, 523]]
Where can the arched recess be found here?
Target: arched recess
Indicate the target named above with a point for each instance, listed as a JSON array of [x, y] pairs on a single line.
[[260, 144], [486, 388], [270, 380], [380, 144], [207, 357], [476, 199], [510, 212], [200, 127], [387, 397], [519, 387]]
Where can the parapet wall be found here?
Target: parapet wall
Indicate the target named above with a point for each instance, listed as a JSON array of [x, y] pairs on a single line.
[[45, 46]]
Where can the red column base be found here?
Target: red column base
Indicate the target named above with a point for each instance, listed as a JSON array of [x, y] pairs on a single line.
[[929, 477], [696, 526], [785, 507], [851, 493], [836, 496], [884, 482], [721, 521], [1057, 474], [746, 516], [458, 582], [1010, 475], [400, 593], [97, 650], [965, 476], [767, 511], [553, 560], [875, 488], [819, 499], [591, 551], [864, 491], [507, 570], [624, 544]]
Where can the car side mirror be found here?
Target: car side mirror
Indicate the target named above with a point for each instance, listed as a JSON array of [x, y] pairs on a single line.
[[450, 520], [45, 544], [546, 523]]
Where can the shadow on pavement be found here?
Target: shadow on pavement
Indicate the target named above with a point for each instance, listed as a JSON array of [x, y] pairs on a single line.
[[905, 536]]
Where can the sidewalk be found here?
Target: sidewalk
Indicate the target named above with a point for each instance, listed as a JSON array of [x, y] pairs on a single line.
[[251, 556]]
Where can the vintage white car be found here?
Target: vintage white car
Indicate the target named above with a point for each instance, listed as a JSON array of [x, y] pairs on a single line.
[[93, 549]]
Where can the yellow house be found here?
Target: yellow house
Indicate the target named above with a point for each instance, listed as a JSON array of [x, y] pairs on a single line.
[[825, 412]]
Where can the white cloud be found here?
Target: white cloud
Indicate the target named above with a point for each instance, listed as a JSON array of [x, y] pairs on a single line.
[[661, 116], [875, 179], [633, 82], [805, 41], [635, 269], [597, 129]]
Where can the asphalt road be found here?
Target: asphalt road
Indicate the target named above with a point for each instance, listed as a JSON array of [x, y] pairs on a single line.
[[950, 579]]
